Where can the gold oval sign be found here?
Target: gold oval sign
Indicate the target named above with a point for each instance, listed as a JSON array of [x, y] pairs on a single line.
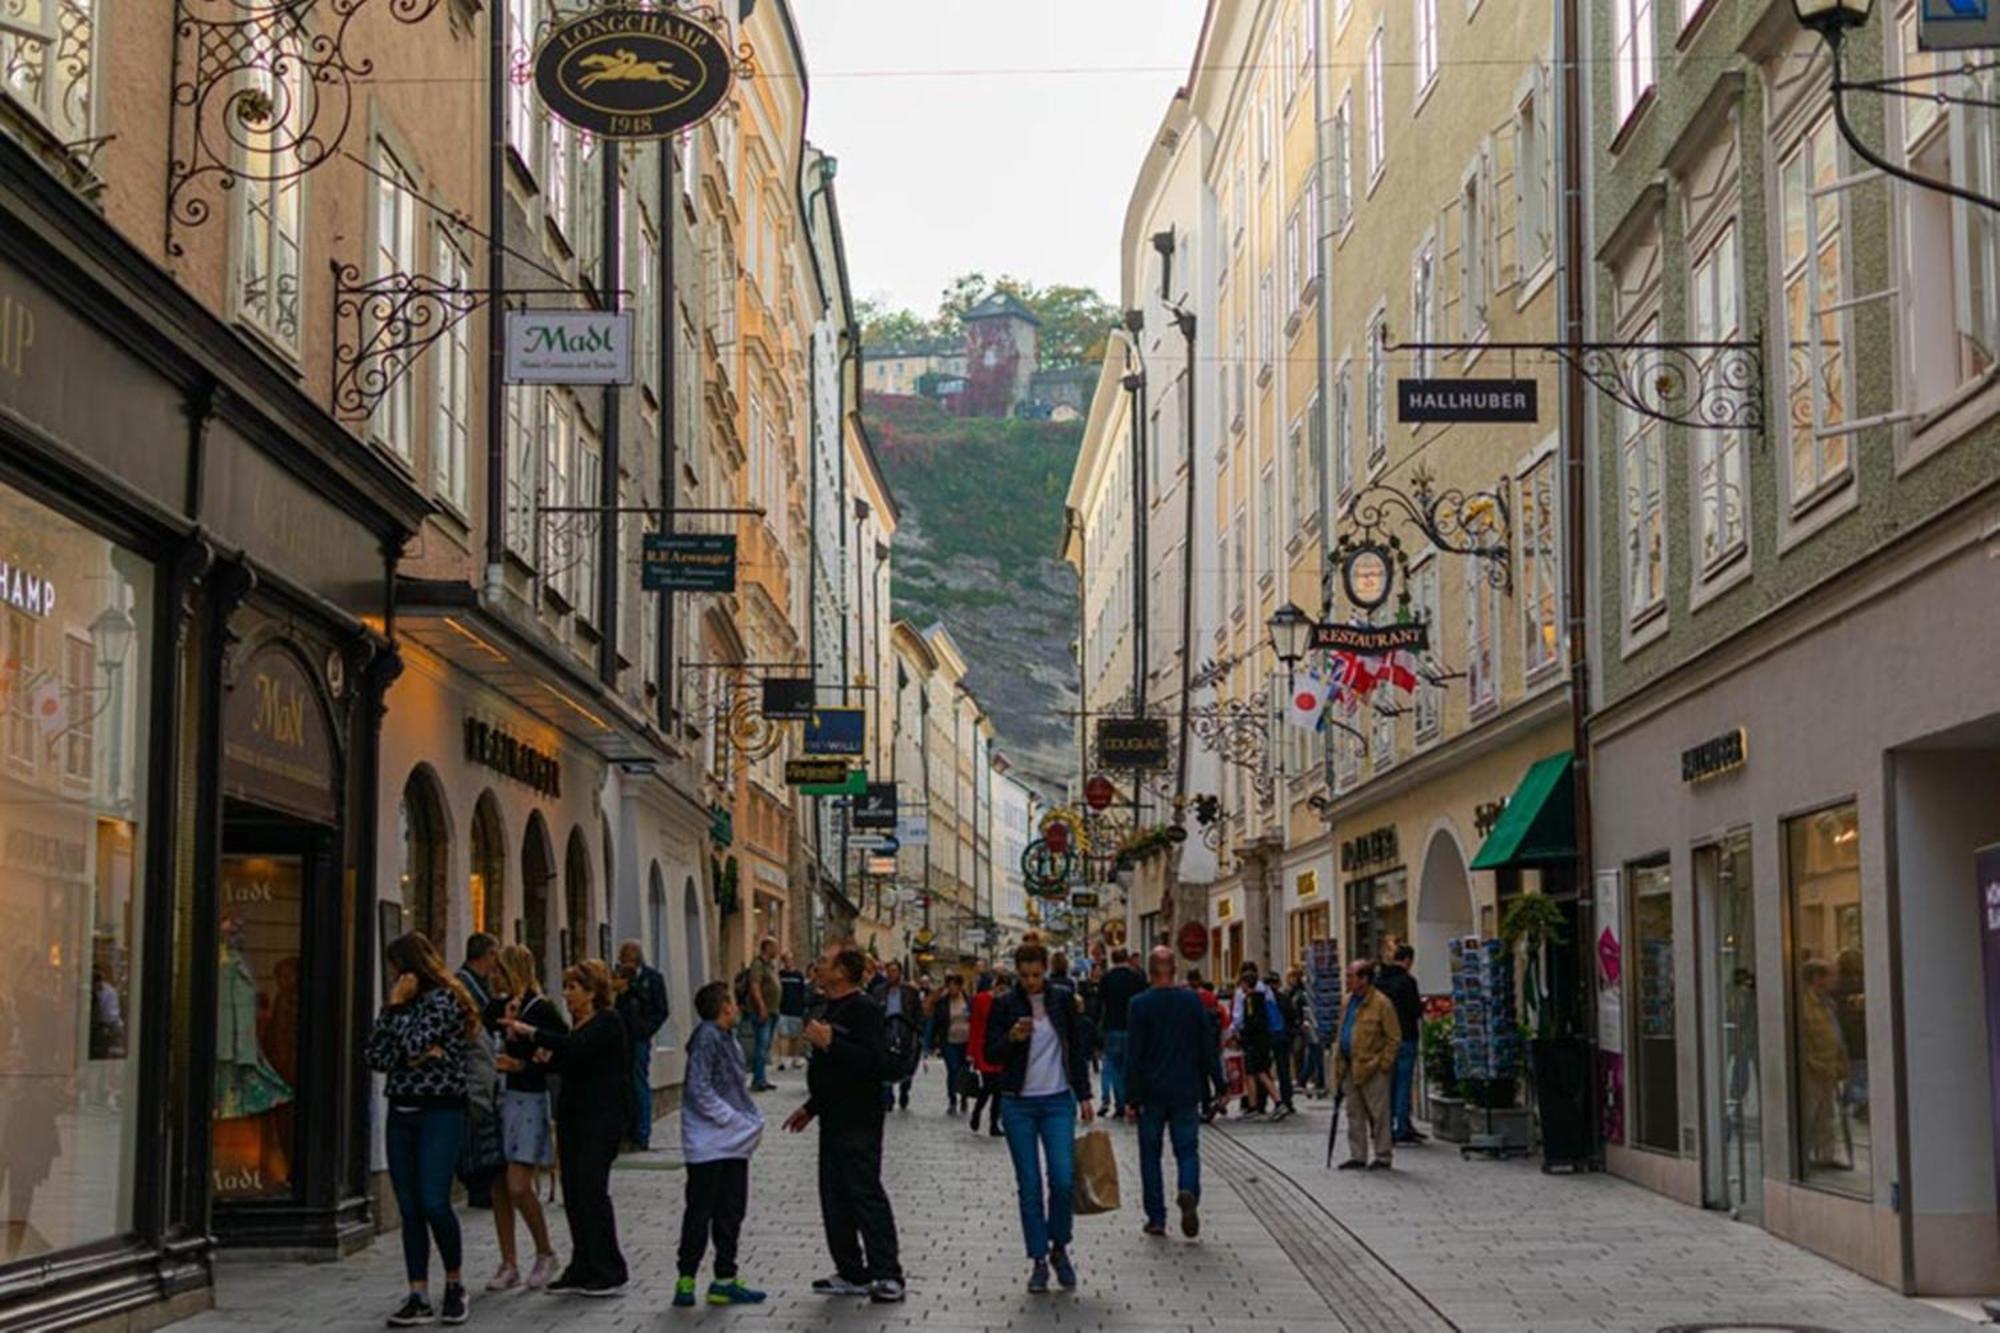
[[634, 73]]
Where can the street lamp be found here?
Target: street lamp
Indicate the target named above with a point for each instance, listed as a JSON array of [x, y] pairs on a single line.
[[1291, 631], [112, 633], [1829, 18]]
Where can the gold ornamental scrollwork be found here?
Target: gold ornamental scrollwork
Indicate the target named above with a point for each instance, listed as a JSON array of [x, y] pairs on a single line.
[[751, 734]]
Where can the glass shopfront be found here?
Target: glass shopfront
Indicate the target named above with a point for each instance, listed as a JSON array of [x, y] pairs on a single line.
[[1829, 1000], [1655, 1080], [76, 638], [1378, 912]]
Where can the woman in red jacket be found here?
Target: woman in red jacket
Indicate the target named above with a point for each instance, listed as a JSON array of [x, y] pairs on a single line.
[[990, 1074]]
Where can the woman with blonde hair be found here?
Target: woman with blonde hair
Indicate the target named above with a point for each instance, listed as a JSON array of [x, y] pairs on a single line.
[[420, 1042], [526, 1138], [594, 1059]]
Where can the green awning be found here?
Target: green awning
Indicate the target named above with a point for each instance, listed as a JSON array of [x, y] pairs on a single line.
[[1539, 824]]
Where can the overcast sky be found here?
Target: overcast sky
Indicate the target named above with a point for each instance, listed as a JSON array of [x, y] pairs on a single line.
[[1001, 136]]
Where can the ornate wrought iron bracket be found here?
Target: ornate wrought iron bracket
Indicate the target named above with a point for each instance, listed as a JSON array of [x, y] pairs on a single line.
[[1469, 523], [1239, 732], [1700, 385], [381, 327], [263, 91]]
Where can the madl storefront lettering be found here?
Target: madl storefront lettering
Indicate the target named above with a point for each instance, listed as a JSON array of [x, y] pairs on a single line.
[[509, 756], [277, 748]]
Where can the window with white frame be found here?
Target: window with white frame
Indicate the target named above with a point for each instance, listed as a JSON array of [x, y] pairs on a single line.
[[451, 378], [588, 240], [1951, 249], [1302, 20], [558, 176], [1540, 597], [1631, 53], [1377, 392], [649, 313], [1305, 472], [1267, 518], [1346, 758], [1240, 201], [1720, 521], [394, 252], [523, 21], [1534, 175], [558, 467], [1382, 738], [1295, 254], [1264, 133], [47, 59], [1474, 282], [1424, 304], [271, 206], [1642, 475], [522, 470], [1239, 527], [1343, 429], [1312, 228], [1424, 604], [1425, 45], [1482, 643], [1376, 128], [1241, 364], [1342, 164], [1815, 278], [587, 486], [79, 685], [1289, 61], [1267, 322]]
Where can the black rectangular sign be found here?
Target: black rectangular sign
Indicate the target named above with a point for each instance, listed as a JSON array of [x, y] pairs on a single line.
[[1712, 758], [689, 562], [1133, 742], [815, 772], [836, 731], [876, 807], [1439, 401], [1372, 640], [788, 698]]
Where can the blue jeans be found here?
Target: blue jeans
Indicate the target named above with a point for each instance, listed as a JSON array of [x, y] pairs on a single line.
[[1314, 1072], [1185, 1124], [954, 1061], [423, 1155], [1114, 1071], [642, 1093], [760, 1052], [1399, 1089], [1038, 1126]]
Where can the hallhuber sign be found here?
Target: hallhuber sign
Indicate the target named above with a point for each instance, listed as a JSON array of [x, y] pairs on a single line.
[[1439, 401], [569, 347], [634, 73]]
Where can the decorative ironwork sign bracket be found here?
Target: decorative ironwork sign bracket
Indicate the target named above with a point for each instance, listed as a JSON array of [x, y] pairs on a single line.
[[1469, 523], [263, 92], [1700, 385]]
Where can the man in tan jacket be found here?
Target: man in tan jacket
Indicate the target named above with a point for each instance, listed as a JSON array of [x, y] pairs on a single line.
[[1364, 1058]]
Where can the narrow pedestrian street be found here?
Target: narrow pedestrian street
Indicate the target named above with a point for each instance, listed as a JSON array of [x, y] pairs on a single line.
[[1285, 1246]]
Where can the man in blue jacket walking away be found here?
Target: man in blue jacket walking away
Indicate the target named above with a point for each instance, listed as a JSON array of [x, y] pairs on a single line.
[[1173, 1065]]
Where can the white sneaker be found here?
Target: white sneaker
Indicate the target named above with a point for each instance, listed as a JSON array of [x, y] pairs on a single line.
[[506, 1279], [544, 1269]]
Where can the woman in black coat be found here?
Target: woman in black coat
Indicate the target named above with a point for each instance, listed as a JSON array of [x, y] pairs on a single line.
[[594, 1059]]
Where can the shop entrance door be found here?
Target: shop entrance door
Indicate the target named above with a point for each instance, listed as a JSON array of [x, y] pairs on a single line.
[[1732, 1112]]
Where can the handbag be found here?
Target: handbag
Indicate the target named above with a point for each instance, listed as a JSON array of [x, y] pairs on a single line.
[[968, 1081], [1096, 1189]]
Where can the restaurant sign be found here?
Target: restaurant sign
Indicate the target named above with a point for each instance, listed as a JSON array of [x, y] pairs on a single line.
[[1373, 640], [634, 73]]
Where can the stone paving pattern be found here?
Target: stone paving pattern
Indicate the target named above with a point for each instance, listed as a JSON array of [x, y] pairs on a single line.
[[1286, 1246]]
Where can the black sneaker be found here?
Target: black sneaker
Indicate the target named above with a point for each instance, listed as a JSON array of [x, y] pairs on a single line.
[[568, 1282], [604, 1289], [416, 1310], [840, 1286], [889, 1291], [456, 1306]]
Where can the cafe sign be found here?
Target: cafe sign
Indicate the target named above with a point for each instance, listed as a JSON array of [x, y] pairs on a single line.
[[569, 347], [634, 73]]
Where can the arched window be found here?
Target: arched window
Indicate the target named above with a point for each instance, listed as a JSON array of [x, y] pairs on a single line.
[[426, 857], [609, 946], [576, 899], [656, 917], [486, 884], [538, 869], [697, 970]]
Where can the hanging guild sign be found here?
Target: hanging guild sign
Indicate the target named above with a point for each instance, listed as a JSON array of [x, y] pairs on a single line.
[[569, 347], [1957, 25], [634, 73], [788, 698], [1133, 742], [836, 731], [689, 562], [1373, 640], [1098, 793], [815, 772], [876, 807], [1420, 402]]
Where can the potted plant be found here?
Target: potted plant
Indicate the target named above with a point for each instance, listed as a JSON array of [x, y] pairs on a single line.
[[1442, 1089], [1559, 1063]]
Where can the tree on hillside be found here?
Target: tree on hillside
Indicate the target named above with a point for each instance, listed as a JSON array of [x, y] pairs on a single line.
[[1076, 321], [883, 327]]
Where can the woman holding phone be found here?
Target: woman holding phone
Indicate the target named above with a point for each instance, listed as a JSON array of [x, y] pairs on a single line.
[[1036, 1034], [419, 1042]]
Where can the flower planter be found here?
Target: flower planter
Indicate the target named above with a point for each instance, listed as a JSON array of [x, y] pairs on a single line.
[[1449, 1119], [1512, 1127]]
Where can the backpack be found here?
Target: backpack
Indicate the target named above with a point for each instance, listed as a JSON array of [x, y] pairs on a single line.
[[902, 1046], [1287, 1016], [743, 989]]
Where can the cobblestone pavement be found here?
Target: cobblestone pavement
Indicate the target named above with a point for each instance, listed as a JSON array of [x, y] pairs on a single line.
[[1286, 1246]]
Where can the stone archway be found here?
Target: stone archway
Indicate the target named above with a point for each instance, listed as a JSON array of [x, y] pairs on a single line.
[[538, 871], [576, 900], [1444, 909]]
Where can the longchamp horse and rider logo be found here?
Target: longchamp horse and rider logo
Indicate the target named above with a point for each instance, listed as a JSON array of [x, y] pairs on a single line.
[[634, 74]]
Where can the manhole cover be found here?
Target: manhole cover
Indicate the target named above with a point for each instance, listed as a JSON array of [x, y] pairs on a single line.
[[1745, 1328]]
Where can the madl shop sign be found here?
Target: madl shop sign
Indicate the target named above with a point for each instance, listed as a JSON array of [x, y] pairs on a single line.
[[634, 73], [569, 347]]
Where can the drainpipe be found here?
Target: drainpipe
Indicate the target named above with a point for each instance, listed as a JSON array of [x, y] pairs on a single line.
[[1323, 252]]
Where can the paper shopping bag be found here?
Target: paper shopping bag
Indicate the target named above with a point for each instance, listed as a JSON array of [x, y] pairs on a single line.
[[1096, 1188], [1232, 1072]]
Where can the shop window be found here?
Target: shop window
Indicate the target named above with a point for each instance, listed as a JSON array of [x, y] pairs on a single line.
[[73, 899], [1656, 1046], [1378, 912], [1829, 1001], [259, 929], [47, 50], [576, 900], [425, 895], [487, 883]]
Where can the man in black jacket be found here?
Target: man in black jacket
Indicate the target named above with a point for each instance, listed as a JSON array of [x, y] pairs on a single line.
[[1122, 981], [642, 1004], [844, 1092], [1393, 979]]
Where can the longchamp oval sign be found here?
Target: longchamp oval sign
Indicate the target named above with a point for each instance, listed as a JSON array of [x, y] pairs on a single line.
[[632, 73]]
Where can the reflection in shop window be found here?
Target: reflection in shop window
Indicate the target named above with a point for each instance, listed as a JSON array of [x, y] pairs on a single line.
[[1829, 1001], [1656, 1050], [256, 1026]]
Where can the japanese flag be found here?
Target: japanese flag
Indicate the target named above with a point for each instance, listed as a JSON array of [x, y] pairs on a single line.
[[45, 701], [1309, 695]]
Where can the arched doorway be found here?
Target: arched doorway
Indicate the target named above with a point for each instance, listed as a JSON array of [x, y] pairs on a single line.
[[697, 965], [426, 857], [1444, 910], [538, 870], [486, 884], [656, 918], [576, 899]]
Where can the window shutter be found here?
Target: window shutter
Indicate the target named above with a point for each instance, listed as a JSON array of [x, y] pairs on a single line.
[[1502, 168], [1445, 285]]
